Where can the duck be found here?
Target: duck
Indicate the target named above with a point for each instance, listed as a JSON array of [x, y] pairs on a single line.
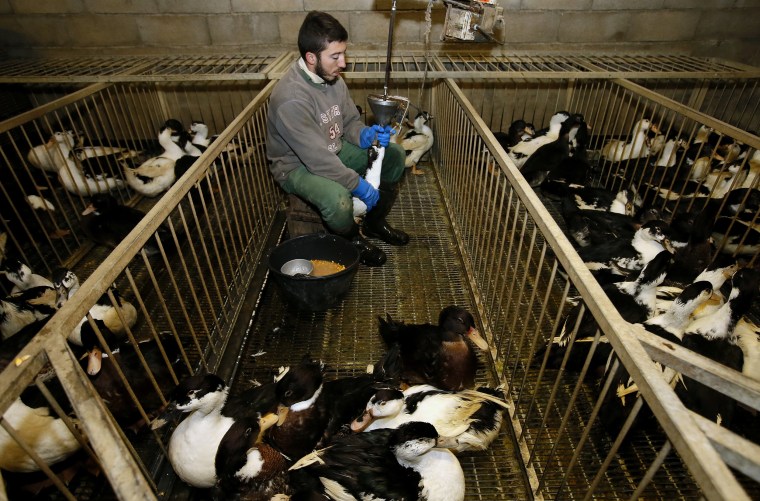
[[302, 416], [713, 336], [22, 276], [151, 366], [417, 141], [247, 467], [375, 155], [79, 182], [199, 133], [691, 237], [742, 203], [442, 355], [48, 436], [524, 149], [637, 147], [593, 227], [624, 256], [549, 157], [747, 334], [50, 156], [119, 316], [519, 130], [107, 222], [625, 201], [704, 147], [473, 417], [97, 161], [25, 307], [671, 152], [408, 462], [736, 237], [716, 273], [195, 442], [344, 398], [670, 326], [76, 182], [575, 168], [635, 301], [156, 174]]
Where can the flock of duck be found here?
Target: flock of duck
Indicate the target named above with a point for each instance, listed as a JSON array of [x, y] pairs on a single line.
[[395, 430], [679, 274], [89, 170], [23, 314], [392, 433]]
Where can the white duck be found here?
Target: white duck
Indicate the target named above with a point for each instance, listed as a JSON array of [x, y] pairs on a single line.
[[48, 436], [199, 132], [26, 307], [22, 276], [376, 154], [72, 177], [617, 150], [156, 174], [524, 149], [196, 441], [417, 141], [49, 156], [428, 469], [747, 335], [472, 417], [118, 319], [669, 153]]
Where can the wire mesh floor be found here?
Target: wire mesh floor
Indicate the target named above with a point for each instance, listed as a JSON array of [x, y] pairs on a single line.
[[414, 285]]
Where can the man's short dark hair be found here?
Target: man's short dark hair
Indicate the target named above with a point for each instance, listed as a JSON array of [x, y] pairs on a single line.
[[317, 31]]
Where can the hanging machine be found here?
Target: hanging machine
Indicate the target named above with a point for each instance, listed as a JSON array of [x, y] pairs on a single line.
[[472, 20]]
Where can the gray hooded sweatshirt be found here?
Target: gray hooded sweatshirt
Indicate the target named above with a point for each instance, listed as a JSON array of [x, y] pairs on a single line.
[[305, 124]]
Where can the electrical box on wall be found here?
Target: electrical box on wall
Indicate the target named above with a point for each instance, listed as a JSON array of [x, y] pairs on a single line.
[[472, 20]]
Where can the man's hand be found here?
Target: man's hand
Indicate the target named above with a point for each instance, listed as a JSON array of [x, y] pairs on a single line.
[[367, 135], [366, 193], [384, 137]]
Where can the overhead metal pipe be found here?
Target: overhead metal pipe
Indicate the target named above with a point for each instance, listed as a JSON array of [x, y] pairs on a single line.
[[388, 56]]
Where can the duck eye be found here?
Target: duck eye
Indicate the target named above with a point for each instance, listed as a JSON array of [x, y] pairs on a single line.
[[289, 393]]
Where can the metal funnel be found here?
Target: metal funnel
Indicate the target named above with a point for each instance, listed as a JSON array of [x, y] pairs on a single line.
[[384, 108]]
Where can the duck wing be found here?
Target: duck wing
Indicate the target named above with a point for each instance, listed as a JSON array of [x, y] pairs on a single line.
[[361, 463]]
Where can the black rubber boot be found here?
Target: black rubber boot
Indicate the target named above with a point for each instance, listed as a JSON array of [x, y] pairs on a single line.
[[375, 224], [369, 255]]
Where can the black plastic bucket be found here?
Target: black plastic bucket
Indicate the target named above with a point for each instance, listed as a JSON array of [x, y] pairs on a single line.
[[314, 293]]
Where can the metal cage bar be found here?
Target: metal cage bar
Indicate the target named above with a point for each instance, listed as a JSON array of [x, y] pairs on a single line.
[[460, 174]]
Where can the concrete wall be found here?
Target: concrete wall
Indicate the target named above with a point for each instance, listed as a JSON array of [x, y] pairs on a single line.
[[727, 29]]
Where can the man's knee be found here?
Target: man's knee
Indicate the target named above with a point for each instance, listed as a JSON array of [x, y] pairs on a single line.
[[337, 211]]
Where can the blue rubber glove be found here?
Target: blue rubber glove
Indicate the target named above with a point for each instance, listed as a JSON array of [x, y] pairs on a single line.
[[367, 135], [366, 193], [384, 137]]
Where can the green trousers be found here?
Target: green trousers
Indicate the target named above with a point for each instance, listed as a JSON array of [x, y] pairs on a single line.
[[333, 200]]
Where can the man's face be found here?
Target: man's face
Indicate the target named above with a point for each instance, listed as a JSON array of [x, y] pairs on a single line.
[[331, 61]]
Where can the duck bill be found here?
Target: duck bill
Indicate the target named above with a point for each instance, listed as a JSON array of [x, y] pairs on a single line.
[[360, 424], [88, 210], [170, 413], [282, 414], [475, 337], [668, 246], [94, 361], [447, 442], [266, 422]]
